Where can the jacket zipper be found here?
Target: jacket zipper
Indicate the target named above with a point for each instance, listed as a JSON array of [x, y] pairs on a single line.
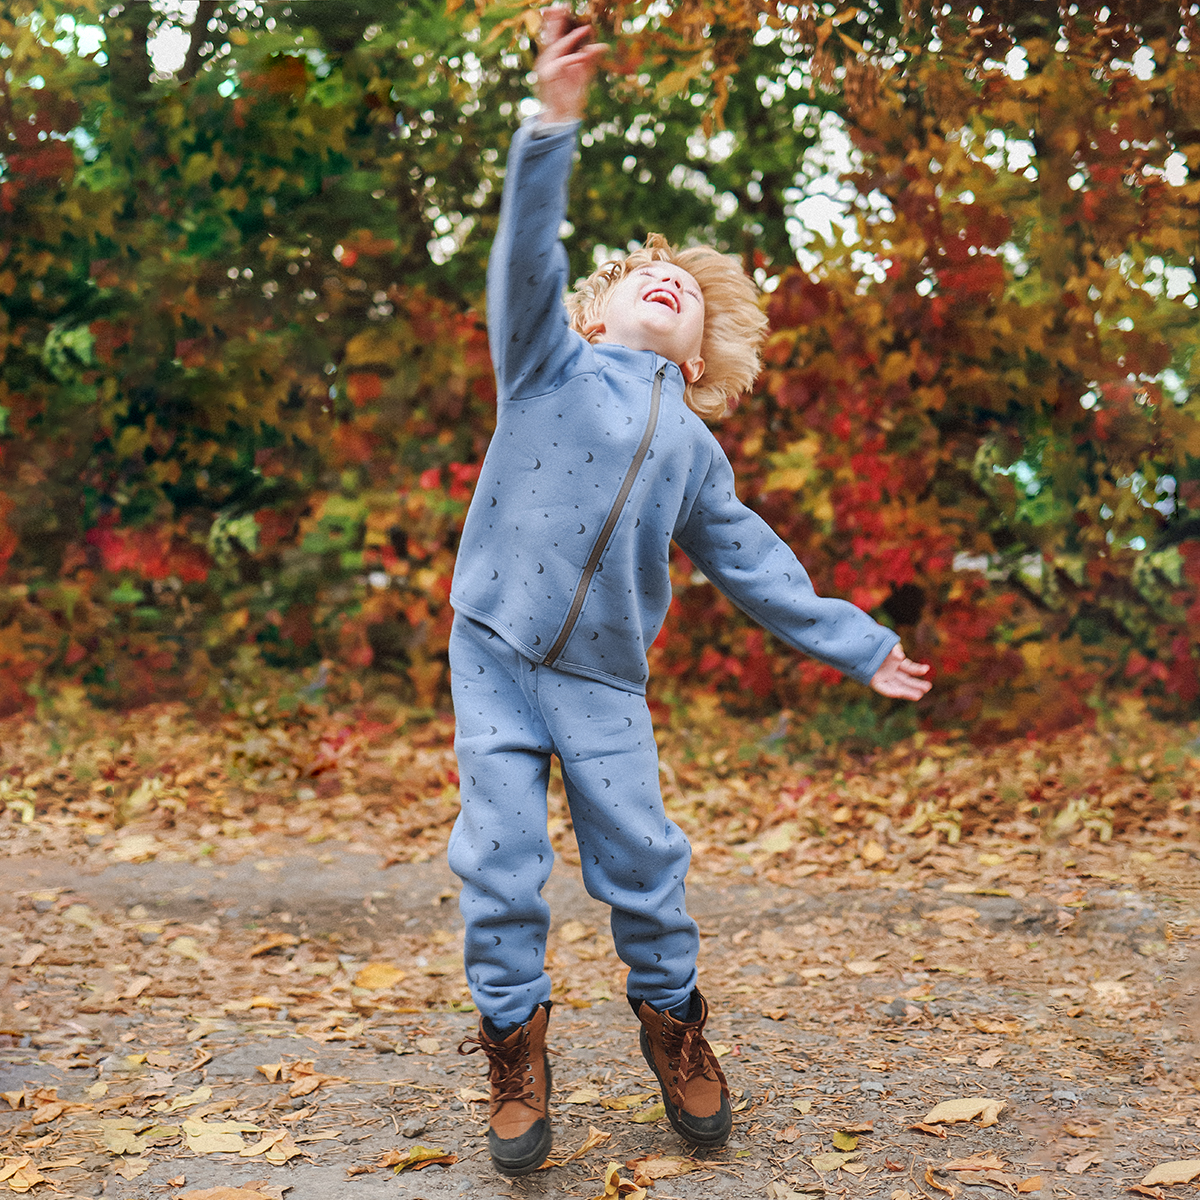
[[606, 532]]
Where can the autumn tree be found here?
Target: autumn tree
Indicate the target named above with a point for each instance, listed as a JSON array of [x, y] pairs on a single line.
[[245, 381]]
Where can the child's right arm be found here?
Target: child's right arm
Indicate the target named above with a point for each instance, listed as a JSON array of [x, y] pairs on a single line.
[[527, 267]]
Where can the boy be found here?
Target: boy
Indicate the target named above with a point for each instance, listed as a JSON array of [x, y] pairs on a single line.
[[598, 461]]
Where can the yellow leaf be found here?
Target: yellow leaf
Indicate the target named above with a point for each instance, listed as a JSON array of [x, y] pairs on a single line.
[[583, 1096], [420, 1156], [863, 966], [950, 1112], [283, 1150], [655, 1112], [574, 931], [829, 1161], [1183, 1171], [131, 1168], [186, 947], [594, 1138], [202, 1093], [378, 975], [844, 1141], [872, 853], [216, 1137]]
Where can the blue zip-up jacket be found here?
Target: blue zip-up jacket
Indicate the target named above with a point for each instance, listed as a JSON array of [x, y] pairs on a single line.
[[596, 464]]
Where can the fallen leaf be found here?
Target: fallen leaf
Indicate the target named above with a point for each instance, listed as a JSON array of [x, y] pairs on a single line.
[[1081, 1162], [583, 1096], [802, 1106], [844, 1141], [138, 847], [863, 966], [417, 1158], [986, 1161], [621, 1103], [377, 976], [664, 1166], [263, 1144], [119, 1136], [177, 1182], [469, 1094], [989, 1025], [22, 1175], [615, 1186], [131, 1168], [574, 931], [830, 1161], [648, 1116], [788, 1134], [989, 1058], [594, 1138], [1153, 1192], [948, 1188], [199, 1096], [305, 1080], [216, 1137], [1183, 1171], [1079, 1129], [921, 1127], [775, 1014], [80, 915], [222, 1193], [428, 1045], [271, 1070], [285, 1148], [273, 941], [1032, 1184], [949, 1112], [186, 947]]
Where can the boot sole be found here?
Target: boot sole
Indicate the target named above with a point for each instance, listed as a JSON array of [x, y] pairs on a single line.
[[709, 1141]]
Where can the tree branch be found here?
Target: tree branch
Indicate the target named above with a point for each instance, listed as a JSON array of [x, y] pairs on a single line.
[[193, 61]]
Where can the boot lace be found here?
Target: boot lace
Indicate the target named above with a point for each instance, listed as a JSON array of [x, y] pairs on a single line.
[[690, 1057], [509, 1066]]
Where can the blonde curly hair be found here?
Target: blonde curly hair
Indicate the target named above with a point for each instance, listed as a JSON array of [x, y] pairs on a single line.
[[734, 323]]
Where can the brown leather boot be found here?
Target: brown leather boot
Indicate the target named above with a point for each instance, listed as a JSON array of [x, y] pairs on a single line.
[[519, 1136], [694, 1090]]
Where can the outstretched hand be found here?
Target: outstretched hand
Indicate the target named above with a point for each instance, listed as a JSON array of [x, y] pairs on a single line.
[[900, 677], [566, 65]]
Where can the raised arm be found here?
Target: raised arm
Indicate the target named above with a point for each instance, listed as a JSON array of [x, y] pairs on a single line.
[[527, 268]]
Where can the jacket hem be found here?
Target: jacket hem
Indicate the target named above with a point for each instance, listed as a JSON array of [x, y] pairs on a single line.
[[570, 668]]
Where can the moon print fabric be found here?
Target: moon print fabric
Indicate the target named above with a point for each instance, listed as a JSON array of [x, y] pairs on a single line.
[[596, 465], [512, 714]]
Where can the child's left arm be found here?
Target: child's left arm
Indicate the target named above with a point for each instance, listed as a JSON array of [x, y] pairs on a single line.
[[748, 561]]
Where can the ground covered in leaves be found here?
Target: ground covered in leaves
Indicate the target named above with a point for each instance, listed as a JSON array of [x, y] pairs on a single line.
[[229, 954]]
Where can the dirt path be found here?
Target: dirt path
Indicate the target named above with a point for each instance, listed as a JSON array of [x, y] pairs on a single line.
[[149, 996]]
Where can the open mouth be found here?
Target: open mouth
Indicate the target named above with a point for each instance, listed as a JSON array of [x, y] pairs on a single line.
[[662, 296]]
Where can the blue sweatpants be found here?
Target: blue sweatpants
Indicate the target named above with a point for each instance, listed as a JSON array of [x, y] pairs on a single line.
[[512, 715]]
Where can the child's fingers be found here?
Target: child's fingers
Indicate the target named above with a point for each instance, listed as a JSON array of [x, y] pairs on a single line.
[[560, 40]]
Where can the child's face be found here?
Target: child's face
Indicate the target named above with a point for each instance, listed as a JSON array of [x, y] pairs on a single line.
[[657, 307]]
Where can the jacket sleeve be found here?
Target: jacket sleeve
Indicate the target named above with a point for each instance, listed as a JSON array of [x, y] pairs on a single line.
[[528, 332], [744, 557]]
